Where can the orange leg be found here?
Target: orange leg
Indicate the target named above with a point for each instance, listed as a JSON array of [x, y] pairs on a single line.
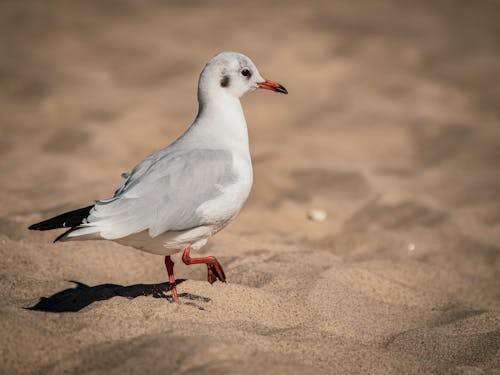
[[215, 270], [171, 279]]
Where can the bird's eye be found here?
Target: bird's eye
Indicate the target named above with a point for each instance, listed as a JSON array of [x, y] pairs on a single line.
[[246, 72]]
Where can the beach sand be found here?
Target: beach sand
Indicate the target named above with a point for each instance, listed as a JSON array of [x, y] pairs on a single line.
[[392, 127]]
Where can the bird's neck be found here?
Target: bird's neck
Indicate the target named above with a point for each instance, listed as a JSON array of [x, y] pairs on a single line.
[[221, 124]]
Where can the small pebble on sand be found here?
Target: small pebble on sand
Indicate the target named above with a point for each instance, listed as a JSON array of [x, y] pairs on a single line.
[[316, 215]]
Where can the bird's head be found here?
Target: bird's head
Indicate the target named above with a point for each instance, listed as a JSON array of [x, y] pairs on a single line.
[[233, 74]]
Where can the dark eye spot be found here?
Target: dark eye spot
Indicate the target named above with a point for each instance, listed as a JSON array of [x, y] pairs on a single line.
[[224, 82], [246, 72]]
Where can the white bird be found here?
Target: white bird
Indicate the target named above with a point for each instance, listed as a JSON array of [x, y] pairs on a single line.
[[177, 198]]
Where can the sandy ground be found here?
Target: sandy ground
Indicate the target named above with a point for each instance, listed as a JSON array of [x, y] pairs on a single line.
[[391, 126]]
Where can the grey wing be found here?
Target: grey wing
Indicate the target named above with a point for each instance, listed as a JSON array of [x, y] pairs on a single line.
[[134, 175], [164, 194]]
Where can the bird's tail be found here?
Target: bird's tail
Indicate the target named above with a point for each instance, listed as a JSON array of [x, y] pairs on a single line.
[[72, 220]]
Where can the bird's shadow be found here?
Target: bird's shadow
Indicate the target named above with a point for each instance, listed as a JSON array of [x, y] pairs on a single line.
[[75, 299]]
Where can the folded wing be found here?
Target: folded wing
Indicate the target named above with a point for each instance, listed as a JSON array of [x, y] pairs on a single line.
[[162, 194]]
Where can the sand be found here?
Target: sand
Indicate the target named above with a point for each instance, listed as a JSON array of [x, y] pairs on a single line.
[[391, 127]]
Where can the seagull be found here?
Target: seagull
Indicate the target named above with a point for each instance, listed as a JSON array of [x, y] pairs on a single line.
[[177, 198]]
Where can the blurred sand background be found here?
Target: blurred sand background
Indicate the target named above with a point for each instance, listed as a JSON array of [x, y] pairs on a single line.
[[391, 126]]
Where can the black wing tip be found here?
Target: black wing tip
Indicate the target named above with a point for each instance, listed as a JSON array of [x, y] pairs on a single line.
[[68, 219], [45, 225], [39, 226]]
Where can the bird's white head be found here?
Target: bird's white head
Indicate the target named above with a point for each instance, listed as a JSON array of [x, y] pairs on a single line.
[[232, 74]]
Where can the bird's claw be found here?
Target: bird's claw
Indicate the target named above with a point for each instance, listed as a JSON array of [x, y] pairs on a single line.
[[215, 272]]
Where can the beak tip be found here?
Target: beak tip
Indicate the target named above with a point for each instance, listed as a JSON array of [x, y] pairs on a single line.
[[273, 86]]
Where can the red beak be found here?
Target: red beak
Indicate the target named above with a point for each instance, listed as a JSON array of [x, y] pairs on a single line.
[[273, 86]]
